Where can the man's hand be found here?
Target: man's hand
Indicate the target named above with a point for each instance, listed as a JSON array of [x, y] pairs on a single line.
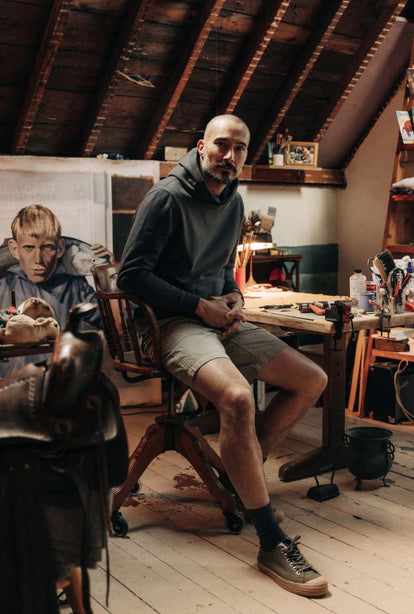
[[101, 251], [224, 312]]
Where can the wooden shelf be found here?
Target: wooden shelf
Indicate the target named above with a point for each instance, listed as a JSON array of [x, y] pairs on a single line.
[[400, 249], [398, 198], [282, 175], [305, 176]]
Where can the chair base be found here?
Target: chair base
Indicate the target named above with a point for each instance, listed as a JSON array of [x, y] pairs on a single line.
[[175, 433]]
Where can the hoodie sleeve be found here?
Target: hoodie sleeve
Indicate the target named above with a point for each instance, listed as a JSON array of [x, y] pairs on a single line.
[[151, 229], [230, 284]]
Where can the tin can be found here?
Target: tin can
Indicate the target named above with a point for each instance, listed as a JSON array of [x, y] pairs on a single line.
[[364, 299]]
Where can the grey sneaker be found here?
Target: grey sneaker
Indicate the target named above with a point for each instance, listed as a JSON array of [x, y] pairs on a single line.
[[287, 566]]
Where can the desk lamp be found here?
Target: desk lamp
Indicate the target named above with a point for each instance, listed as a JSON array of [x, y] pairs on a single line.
[[254, 247], [260, 235], [246, 251]]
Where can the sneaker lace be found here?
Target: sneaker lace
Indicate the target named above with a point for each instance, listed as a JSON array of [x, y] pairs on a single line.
[[294, 554]]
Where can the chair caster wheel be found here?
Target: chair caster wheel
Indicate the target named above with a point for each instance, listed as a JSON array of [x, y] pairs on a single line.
[[135, 489], [62, 599], [233, 522], [119, 524]]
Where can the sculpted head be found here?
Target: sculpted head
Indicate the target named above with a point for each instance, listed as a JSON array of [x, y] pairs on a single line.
[[36, 242]]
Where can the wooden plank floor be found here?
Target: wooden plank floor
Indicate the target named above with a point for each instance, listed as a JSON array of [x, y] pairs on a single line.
[[178, 557]]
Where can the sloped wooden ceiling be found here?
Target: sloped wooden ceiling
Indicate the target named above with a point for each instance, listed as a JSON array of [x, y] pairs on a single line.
[[83, 77]]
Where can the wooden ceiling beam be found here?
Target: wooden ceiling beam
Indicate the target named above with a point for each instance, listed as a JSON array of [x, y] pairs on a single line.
[[360, 61], [182, 73], [49, 47], [273, 14], [121, 55], [329, 16]]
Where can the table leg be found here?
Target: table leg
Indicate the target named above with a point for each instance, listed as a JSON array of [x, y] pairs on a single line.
[[331, 454]]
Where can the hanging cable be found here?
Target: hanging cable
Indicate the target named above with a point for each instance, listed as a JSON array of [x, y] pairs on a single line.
[[402, 365]]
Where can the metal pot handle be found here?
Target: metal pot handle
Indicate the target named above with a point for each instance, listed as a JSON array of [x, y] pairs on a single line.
[[390, 449]]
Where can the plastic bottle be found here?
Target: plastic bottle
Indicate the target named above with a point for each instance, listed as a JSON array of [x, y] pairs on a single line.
[[408, 294], [357, 284]]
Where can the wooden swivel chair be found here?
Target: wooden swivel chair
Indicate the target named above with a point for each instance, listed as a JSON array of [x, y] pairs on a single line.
[[170, 431]]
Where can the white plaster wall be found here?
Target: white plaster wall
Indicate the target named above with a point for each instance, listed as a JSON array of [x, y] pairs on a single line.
[[304, 215], [77, 190], [362, 206]]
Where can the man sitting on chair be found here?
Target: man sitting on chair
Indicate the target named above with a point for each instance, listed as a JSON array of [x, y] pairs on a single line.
[[179, 257]]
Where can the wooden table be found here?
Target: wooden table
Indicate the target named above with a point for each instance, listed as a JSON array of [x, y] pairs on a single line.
[[331, 453], [11, 350]]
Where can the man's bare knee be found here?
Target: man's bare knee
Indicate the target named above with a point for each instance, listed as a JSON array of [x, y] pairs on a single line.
[[236, 406], [315, 384]]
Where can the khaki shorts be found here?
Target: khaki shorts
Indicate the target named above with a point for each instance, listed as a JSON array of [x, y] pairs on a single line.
[[187, 345]]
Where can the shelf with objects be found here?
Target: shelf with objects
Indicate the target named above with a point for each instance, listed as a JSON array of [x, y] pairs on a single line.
[[281, 175], [399, 224]]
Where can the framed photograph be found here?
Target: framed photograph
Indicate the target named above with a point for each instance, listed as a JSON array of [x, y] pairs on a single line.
[[406, 126], [298, 153]]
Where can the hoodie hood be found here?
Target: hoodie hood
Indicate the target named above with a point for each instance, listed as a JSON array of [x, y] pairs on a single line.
[[190, 176]]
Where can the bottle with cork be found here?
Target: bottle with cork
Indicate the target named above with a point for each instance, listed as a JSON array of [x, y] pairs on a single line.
[[357, 284]]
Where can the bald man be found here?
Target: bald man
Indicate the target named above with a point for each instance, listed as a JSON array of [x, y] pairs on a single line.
[[179, 257]]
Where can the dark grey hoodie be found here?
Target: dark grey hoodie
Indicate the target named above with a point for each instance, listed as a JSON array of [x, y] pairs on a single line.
[[182, 242]]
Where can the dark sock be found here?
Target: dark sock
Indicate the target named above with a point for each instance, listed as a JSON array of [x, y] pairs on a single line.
[[267, 527]]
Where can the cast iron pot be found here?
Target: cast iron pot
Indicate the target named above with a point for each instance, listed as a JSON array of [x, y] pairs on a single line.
[[368, 452]]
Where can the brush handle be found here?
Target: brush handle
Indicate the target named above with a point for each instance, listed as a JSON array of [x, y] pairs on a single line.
[[387, 261], [380, 268]]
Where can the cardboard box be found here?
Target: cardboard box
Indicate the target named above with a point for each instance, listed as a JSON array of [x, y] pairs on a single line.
[[173, 154], [391, 345]]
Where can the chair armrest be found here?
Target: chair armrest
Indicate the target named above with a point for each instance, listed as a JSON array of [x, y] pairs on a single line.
[[148, 314]]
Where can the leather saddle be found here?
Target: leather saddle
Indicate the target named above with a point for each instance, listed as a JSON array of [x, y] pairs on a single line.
[[70, 402]]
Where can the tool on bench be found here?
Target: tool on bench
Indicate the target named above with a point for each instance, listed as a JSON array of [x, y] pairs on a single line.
[[339, 313], [287, 306], [385, 316], [317, 307]]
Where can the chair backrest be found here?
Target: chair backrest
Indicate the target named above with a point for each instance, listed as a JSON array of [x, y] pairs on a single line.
[[119, 322]]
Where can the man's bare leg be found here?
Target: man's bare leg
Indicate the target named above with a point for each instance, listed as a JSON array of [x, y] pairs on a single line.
[[224, 386], [73, 589], [301, 382]]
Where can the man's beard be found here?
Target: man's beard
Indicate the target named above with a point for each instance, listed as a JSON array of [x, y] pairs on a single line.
[[221, 179]]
